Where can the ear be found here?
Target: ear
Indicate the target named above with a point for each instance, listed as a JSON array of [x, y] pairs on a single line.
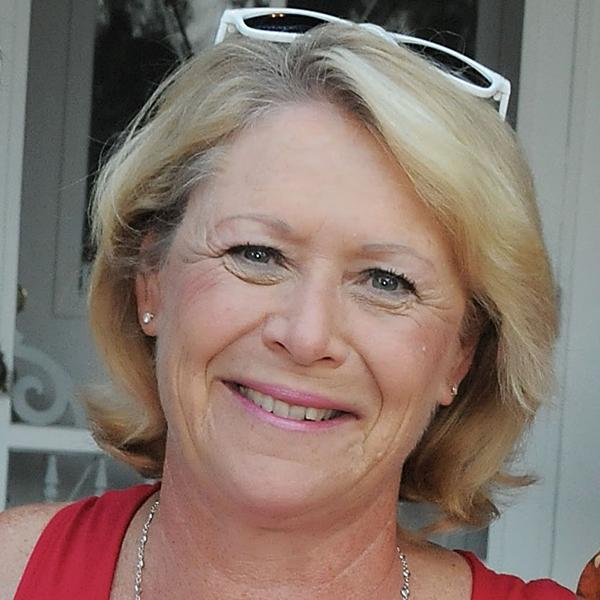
[[147, 294], [462, 364]]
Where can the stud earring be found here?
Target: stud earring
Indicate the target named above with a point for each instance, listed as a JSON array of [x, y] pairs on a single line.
[[454, 389], [147, 317]]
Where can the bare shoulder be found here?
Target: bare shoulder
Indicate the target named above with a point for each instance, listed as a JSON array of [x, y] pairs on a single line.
[[453, 578], [20, 529]]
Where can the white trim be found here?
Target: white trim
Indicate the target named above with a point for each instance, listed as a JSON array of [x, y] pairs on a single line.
[[523, 541], [4, 421], [50, 439], [14, 46], [577, 518], [69, 297]]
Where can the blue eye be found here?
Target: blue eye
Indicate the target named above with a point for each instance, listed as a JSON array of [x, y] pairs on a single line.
[[252, 263], [257, 254], [389, 281]]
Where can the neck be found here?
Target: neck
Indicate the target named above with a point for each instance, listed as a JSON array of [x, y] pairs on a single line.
[[204, 545]]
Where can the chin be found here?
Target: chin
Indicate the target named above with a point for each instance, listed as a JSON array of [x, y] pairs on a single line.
[[272, 489]]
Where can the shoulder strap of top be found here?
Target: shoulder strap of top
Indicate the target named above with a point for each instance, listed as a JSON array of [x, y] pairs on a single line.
[[488, 585], [76, 554]]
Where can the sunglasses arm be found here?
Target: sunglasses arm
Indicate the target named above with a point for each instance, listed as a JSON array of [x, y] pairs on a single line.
[[502, 97], [222, 30]]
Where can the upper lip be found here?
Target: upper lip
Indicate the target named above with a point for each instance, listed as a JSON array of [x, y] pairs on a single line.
[[292, 396]]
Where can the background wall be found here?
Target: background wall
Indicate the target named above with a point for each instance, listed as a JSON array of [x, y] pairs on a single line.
[[554, 528], [54, 319], [577, 533]]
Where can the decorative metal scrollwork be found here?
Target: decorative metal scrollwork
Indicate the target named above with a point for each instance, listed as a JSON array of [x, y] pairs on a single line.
[[44, 397]]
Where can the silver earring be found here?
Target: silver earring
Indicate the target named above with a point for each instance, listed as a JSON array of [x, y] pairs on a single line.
[[147, 317], [454, 389]]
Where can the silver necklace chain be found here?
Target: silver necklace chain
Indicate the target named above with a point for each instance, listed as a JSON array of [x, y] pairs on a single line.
[[141, 549], [404, 591]]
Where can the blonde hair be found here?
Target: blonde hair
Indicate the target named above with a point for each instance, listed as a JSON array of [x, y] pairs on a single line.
[[465, 165]]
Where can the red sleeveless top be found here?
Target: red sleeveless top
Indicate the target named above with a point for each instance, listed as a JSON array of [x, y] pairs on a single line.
[[77, 552]]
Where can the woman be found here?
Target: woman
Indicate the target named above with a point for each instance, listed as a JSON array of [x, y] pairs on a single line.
[[320, 286]]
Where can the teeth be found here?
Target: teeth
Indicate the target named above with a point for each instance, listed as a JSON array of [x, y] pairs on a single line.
[[297, 412], [283, 409], [267, 403], [312, 414]]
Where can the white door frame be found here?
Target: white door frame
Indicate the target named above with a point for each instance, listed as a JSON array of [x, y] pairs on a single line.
[[556, 125], [577, 516], [14, 47]]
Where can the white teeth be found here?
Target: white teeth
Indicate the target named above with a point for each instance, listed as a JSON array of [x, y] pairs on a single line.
[[267, 403], [297, 412], [312, 414], [283, 409]]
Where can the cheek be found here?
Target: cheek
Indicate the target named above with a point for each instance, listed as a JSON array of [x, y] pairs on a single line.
[[203, 310], [409, 357], [404, 357], [408, 362], [201, 301], [206, 309]]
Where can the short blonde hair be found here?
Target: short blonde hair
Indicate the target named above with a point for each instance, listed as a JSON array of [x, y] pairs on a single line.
[[466, 167]]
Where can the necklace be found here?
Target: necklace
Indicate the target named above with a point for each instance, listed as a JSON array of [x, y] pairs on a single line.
[[404, 591], [140, 551]]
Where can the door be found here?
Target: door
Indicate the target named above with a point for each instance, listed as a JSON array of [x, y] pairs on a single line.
[[22, 427], [14, 41]]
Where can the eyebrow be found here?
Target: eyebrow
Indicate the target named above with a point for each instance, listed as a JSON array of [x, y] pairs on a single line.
[[285, 229], [276, 224], [390, 248]]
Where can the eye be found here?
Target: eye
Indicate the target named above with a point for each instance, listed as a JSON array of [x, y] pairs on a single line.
[[255, 263], [389, 281], [257, 254]]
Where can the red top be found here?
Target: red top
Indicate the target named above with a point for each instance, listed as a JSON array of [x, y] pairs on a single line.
[[76, 555]]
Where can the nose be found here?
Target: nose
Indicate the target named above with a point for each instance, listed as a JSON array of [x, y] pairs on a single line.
[[305, 325]]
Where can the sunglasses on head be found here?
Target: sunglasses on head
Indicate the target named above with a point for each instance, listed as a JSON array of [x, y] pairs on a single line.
[[285, 24]]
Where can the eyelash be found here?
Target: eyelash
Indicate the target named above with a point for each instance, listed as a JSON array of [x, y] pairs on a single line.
[[268, 250], [273, 253], [404, 280]]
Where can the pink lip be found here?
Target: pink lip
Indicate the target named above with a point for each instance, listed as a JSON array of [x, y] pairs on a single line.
[[282, 422], [290, 396]]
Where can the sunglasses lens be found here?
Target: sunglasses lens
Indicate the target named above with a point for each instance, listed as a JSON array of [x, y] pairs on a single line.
[[289, 23], [454, 65]]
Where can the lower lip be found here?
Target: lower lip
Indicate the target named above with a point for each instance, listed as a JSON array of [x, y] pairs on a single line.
[[288, 424]]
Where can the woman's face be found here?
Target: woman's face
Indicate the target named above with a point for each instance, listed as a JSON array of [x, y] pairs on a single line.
[[308, 318]]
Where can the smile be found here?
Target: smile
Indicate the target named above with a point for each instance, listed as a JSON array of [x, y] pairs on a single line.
[[286, 410]]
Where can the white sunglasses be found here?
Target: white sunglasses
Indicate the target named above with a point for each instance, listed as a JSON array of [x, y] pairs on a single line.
[[285, 24]]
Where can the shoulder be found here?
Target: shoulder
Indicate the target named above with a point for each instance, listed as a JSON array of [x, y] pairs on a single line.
[[57, 536], [489, 585], [20, 529], [453, 579]]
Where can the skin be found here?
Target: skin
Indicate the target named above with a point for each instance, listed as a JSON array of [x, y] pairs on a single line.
[[250, 510]]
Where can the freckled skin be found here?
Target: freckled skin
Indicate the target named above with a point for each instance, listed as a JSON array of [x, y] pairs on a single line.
[[316, 320]]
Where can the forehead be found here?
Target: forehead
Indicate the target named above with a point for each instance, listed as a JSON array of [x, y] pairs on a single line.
[[307, 146], [313, 166]]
